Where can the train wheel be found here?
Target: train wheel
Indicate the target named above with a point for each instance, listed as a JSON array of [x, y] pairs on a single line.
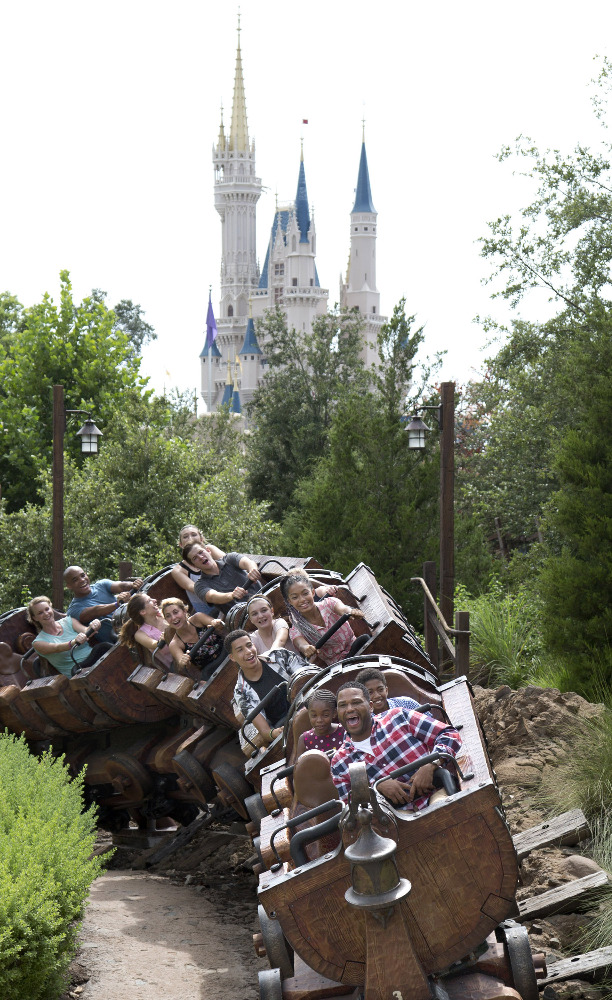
[[255, 807], [233, 787], [516, 940], [278, 952], [270, 985]]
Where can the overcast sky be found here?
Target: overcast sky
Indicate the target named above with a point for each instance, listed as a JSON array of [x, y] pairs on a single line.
[[110, 111]]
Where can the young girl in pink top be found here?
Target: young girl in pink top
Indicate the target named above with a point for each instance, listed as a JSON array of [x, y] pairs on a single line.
[[325, 733]]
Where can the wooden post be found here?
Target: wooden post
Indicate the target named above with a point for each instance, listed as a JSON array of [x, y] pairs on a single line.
[[447, 501], [57, 552], [125, 570], [462, 645], [431, 639]]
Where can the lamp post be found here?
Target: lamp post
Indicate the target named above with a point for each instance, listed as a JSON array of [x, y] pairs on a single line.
[[416, 429], [89, 435]]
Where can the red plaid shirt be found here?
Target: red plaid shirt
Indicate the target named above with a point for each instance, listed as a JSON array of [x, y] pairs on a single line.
[[399, 737]]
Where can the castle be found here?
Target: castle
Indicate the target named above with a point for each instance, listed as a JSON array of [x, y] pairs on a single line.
[[236, 364]]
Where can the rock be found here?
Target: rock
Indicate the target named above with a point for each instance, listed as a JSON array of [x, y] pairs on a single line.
[[577, 866], [503, 692], [554, 942]]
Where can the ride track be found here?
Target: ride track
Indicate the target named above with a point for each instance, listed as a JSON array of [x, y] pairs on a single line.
[[365, 900]]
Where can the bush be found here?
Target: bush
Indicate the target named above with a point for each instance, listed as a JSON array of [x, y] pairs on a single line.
[[45, 870], [583, 777], [505, 640]]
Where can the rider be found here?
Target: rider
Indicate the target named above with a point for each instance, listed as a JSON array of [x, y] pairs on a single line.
[[386, 742]]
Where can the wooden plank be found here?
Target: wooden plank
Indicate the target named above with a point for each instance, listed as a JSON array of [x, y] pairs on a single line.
[[563, 898], [579, 966], [569, 828]]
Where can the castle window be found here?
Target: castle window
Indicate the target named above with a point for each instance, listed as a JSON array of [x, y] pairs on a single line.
[[373, 309], [365, 229], [278, 294], [356, 229], [252, 357], [279, 269], [311, 282], [230, 310], [294, 282]]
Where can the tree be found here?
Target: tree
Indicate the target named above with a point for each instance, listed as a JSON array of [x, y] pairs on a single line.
[[129, 319], [77, 346], [370, 497], [130, 503], [11, 316], [292, 411], [548, 399]]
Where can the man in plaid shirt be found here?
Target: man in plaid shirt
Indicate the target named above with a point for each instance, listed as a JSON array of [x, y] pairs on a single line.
[[386, 742]]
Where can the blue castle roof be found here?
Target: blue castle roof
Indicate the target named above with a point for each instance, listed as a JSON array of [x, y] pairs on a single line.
[[302, 211], [236, 407], [281, 218], [250, 345], [228, 392], [363, 195], [215, 353]]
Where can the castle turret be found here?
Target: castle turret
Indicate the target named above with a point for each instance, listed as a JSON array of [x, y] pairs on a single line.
[[289, 276], [237, 191], [360, 291]]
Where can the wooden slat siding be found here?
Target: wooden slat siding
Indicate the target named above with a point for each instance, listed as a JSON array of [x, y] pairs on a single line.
[[563, 898], [579, 966], [268, 825], [61, 703], [391, 635], [173, 690], [145, 677], [106, 682], [458, 703], [569, 828], [214, 697], [19, 719]]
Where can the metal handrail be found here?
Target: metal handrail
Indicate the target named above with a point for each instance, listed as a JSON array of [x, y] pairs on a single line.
[[432, 601]]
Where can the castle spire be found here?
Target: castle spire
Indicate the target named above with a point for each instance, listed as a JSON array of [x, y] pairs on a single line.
[[221, 140], [363, 195], [302, 211], [239, 133]]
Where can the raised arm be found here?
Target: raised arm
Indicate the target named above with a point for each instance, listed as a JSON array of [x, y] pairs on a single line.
[[343, 609], [180, 576], [250, 568]]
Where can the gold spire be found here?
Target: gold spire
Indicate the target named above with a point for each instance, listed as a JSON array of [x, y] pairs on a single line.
[[239, 133], [228, 381], [221, 140]]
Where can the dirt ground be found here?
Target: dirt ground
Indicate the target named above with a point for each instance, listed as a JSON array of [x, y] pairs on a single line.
[[182, 930]]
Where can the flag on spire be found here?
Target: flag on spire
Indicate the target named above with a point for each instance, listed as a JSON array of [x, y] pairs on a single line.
[[211, 326]]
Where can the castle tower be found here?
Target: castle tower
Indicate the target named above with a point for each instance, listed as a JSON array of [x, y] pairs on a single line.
[[289, 276], [237, 191], [359, 290]]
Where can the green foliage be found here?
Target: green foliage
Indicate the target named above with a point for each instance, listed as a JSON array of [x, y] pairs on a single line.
[[577, 579], [77, 346], [505, 642], [583, 777], [599, 933], [45, 870], [544, 408], [130, 503], [291, 413], [11, 316], [370, 497]]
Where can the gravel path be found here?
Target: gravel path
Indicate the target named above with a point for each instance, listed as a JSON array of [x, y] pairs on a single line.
[[147, 938]]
